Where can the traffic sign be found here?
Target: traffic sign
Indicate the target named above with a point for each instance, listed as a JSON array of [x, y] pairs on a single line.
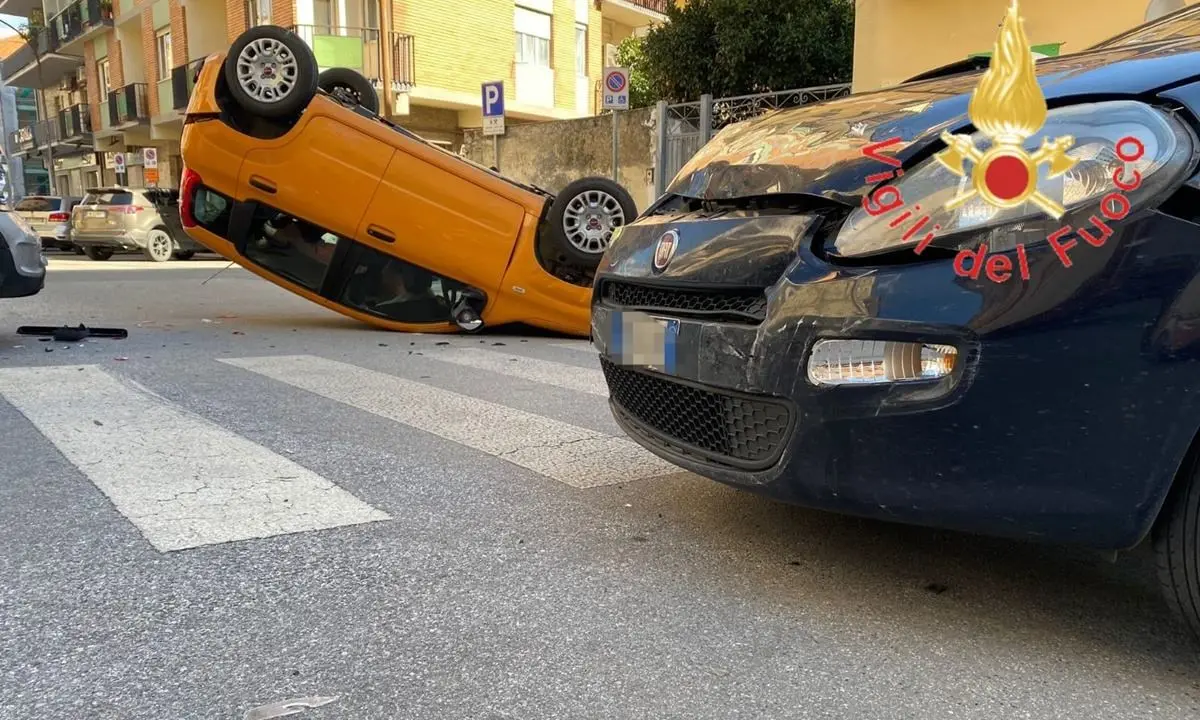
[[149, 158], [119, 162], [493, 108], [616, 88]]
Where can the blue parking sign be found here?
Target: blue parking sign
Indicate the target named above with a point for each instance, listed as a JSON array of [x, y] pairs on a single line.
[[493, 108]]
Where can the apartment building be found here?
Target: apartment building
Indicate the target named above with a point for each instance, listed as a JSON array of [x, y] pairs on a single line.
[[113, 76]]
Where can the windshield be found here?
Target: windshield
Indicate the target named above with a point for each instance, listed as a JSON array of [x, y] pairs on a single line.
[[108, 197], [1181, 24], [38, 204]]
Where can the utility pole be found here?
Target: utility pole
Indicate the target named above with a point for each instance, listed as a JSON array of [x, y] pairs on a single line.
[[387, 71]]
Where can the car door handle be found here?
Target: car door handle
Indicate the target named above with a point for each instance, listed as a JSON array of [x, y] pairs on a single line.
[[262, 184], [380, 234]]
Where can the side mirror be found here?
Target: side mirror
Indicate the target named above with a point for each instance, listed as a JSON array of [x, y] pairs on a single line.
[[464, 315]]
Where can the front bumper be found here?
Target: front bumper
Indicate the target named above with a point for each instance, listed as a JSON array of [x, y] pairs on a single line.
[[22, 269], [1065, 419]]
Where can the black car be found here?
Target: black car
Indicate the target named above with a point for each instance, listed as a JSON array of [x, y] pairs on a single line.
[[767, 323]]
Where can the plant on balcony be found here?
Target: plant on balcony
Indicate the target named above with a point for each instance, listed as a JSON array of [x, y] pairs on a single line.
[[735, 47], [106, 9]]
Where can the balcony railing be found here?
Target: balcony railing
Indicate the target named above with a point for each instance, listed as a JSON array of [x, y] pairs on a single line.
[[75, 123], [183, 79], [41, 40], [360, 49], [127, 105], [28, 139], [658, 6], [79, 18]]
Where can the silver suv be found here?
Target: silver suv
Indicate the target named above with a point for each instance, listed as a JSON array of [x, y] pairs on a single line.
[[50, 216], [119, 218]]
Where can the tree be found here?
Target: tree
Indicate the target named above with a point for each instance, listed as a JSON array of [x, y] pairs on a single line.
[[735, 47], [631, 54]]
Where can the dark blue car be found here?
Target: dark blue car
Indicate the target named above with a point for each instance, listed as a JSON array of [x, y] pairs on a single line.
[[821, 308]]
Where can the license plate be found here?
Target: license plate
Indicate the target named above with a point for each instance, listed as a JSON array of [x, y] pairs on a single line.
[[641, 340], [97, 214]]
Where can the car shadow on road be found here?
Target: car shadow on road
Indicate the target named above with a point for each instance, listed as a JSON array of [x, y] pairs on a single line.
[[1041, 599]]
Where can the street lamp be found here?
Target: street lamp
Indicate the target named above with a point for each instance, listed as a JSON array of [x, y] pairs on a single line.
[[39, 101]]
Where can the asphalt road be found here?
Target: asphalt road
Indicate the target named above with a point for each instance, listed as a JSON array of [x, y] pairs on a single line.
[[252, 499]]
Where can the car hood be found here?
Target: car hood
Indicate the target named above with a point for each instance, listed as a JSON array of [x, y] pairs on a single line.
[[818, 149]]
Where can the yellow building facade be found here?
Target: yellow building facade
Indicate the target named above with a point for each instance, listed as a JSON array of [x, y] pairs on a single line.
[[897, 39], [121, 70]]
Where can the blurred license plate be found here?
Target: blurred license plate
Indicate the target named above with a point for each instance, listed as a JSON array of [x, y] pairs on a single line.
[[644, 341], [97, 214]]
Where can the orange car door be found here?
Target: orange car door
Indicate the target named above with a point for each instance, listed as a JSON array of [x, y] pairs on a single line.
[[324, 171], [432, 217]]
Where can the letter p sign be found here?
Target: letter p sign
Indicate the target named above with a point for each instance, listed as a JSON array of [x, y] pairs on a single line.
[[493, 108]]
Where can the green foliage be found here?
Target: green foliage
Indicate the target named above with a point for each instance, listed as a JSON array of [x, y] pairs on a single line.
[[632, 55], [734, 47]]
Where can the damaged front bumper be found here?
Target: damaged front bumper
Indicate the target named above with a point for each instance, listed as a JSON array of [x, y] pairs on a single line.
[[707, 363]]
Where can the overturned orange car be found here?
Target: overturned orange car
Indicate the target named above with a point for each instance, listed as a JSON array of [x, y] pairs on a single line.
[[293, 175]]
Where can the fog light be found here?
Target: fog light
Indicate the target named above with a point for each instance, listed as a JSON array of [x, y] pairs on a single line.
[[858, 362]]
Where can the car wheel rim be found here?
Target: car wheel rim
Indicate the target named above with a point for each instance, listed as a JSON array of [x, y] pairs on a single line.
[[160, 245], [267, 70], [590, 219]]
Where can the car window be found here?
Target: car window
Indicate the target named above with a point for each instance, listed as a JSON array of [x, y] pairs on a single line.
[[1185, 23], [211, 211], [297, 250], [394, 289], [108, 197], [38, 204]]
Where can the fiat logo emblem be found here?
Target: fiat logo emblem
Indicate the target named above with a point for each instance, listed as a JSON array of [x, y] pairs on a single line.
[[665, 250]]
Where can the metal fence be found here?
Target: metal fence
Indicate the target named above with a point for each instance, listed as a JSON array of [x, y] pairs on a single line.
[[684, 128]]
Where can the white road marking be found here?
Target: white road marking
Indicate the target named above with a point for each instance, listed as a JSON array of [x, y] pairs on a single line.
[[577, 345], [570, 377], [568, 453], [181, 480]]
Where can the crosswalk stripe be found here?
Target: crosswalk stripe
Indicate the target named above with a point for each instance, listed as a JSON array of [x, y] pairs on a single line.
[[573, 455], [570, 377], [576, 345], [180, 479]]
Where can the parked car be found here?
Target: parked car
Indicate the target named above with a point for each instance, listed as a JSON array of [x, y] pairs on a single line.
[[50, 216], [110, 219], [22, 264], [295, 177], [774, 321]]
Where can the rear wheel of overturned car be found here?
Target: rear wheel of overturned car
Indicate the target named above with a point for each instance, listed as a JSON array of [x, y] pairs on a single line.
[[271, 72], [350, 87], [159, 245], [584, 216], [1176, 540], [98, 253]]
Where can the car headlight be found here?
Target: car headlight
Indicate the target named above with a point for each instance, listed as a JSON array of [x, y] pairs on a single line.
[[881, 223]]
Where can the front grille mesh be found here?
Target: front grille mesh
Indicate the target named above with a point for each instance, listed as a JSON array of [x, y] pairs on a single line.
[[747, 304], [730, 429]]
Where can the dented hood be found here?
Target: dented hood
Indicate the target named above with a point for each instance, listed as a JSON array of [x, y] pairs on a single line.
[[818, 149]]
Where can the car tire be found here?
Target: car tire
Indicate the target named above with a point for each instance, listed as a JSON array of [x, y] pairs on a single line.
[[98, 253], [77, 250], [160, 246], [286, 55], [584, 216], [350, 86], [1176, 541], [185, 254]]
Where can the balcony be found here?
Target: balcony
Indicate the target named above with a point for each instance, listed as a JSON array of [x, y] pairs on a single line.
[[27, 141], [127, 106], [39, 64], [360, 49], [183, 79], [75, 125], [80, 21], [636, 13]]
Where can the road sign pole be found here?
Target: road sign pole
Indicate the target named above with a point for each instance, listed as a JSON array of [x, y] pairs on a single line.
[[496, 152], [616, 140]]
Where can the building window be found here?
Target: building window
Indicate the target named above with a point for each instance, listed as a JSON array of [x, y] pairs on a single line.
[[581, 50], [102, 76], [533, 37], [164, 55]]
